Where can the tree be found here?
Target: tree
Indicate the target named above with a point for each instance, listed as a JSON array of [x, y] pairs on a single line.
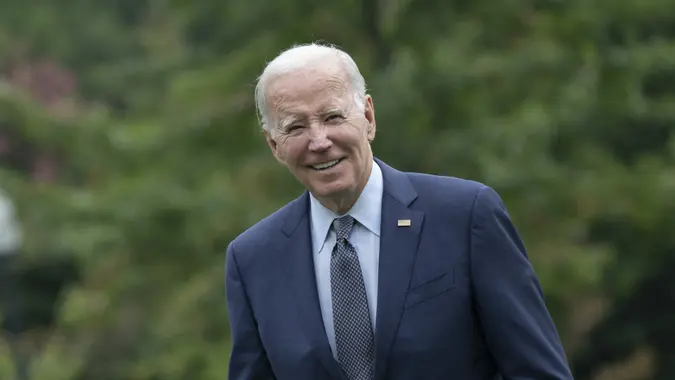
[[160, 162]]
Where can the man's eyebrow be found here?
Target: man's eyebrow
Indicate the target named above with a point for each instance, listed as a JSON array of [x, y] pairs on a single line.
[[334, 109], [288, 120]]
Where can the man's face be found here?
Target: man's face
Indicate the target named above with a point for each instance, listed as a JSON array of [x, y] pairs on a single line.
[[320, 134]]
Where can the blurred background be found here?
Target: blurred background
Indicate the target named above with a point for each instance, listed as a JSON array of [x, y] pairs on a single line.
[[130, 157]]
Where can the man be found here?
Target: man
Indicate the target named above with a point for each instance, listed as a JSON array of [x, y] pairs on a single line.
[[373, 273]]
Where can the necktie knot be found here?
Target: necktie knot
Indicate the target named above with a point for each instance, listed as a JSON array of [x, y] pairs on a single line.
[[343, 226]]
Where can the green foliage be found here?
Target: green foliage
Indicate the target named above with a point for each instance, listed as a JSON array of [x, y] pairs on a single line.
[[566, 108]]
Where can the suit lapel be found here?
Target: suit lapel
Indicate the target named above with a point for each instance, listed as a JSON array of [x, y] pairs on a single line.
[[398, 248], [301, 277]]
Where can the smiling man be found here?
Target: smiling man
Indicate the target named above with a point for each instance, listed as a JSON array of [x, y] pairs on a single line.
[[373, 273]]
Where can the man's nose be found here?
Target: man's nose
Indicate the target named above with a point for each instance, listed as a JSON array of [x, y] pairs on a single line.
[[318, 138]]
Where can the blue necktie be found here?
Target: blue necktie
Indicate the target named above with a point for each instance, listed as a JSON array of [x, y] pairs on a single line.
[[351, 317]]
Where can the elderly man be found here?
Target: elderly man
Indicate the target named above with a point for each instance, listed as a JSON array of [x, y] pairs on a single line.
[[373, 273]]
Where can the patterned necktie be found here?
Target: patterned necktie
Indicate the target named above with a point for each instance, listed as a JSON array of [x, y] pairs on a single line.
[[351, 317]]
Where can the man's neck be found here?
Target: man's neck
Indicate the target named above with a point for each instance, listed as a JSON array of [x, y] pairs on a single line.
[[342, 205]]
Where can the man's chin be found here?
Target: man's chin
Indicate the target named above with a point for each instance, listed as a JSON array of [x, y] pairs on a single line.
[[327, 192], [334, 191]]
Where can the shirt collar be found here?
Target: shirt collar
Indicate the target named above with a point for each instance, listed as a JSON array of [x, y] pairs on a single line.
[[367, 210]]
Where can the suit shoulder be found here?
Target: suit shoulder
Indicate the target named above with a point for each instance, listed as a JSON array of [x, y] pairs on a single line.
[[445, 187]]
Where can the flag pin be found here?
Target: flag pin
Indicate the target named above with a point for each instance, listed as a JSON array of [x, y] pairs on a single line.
[[404, 222]]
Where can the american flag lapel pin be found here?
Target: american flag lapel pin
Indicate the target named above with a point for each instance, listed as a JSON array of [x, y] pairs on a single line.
[[404, 222]]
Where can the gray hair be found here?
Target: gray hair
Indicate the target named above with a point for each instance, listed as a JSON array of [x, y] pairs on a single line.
[[300, 56]]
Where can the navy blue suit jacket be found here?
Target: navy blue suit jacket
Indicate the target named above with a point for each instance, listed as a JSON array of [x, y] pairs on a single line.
[[458, 298]]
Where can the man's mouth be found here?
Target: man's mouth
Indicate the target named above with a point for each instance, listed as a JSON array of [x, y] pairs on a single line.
[[326, 165]]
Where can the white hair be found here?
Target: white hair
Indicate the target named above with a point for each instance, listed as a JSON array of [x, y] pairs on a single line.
[[300, 56]]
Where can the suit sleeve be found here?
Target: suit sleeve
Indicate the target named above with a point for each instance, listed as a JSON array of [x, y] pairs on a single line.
[[509, 300], [248, 360]]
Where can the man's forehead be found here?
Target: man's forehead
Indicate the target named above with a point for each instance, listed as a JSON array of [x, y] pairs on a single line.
[[298, 108], [289, 91]]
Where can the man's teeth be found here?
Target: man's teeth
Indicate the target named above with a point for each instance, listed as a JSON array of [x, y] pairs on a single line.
[[325, 165]]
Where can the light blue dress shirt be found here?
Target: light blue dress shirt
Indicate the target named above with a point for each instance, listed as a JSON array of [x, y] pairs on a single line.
[[365, 238]]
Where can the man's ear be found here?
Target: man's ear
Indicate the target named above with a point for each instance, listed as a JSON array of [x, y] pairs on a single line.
[[274, 146], [369, 114]]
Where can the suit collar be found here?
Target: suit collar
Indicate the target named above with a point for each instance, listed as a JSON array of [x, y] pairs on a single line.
[[297, 210], [395, 183]]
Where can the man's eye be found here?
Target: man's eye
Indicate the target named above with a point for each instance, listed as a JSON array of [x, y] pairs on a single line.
[[334, 117]]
